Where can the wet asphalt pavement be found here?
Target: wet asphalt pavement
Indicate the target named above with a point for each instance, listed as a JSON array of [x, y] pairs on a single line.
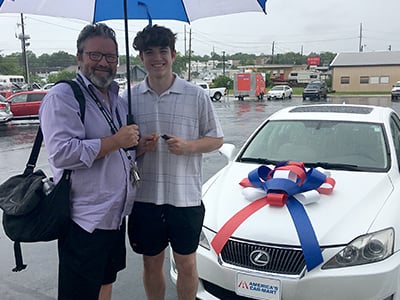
[[39, 281]]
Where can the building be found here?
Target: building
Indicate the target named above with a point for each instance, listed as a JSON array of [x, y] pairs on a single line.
[[278, 73], [365, 71]]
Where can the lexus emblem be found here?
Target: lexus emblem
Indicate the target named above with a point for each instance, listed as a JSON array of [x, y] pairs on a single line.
[[259, 258]]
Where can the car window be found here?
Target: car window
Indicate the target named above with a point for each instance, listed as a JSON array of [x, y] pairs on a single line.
[[35, 97], [355, 143], [19, 98], [395, 128]]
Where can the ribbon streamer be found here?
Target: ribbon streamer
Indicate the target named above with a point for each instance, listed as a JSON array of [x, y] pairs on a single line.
[[289, 184]]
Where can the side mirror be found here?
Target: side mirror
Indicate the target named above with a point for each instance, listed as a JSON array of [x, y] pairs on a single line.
[[227, 150]]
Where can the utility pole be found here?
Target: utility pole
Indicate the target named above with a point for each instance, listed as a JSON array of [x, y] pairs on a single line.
[[24, 37], [184, 39], [273, 51], [190, 54], [360, 47], [223, 63]]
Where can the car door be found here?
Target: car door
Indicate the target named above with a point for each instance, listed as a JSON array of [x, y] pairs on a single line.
[[17, 104], [33, 103]]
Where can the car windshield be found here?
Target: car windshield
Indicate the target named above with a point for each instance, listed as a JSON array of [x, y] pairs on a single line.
[[277, 88], [330, 144], [313, 86]]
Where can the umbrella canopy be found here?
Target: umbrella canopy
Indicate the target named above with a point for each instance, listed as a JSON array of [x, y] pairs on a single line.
[[101, 10]]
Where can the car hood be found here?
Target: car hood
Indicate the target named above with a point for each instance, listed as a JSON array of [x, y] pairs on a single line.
[[311, 89], [396, 89], [336, 218], [275, 92]]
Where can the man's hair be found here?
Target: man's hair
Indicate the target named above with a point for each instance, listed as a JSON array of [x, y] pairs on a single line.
[[154, 36], [95, 30]]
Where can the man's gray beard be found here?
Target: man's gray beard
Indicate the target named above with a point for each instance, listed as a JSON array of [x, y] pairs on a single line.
[[101, 82]]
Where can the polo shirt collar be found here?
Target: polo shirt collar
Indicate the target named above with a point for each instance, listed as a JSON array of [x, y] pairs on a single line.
[[177, 86]]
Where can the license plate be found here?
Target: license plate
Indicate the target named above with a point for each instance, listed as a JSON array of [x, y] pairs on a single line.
[[258, 287]]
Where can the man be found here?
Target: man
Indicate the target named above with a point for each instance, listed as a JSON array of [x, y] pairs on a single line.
[[168, 208], [93, 250]]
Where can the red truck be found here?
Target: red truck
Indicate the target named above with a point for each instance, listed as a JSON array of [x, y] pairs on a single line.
[[249, 85]]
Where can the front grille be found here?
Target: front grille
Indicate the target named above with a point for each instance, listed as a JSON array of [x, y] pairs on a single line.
[[286, 261]]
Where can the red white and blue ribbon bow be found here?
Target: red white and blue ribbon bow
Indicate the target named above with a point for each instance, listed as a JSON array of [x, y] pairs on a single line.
[[288, 183]]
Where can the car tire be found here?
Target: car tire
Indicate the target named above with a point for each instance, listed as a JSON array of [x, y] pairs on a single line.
[[217, 96], [290, 96]]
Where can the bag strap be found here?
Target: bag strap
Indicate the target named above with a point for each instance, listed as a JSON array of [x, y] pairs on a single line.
[[31, 164]]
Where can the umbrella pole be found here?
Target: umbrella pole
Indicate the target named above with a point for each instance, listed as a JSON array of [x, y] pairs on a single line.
[[129, 119]]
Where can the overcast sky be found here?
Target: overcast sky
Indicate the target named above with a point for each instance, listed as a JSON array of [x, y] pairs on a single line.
[[301, 26]]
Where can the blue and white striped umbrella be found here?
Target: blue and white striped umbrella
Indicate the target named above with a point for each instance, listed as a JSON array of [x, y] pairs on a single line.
[[101, 10]]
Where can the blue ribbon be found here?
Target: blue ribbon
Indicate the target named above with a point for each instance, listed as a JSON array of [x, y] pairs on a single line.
[[305, 231]]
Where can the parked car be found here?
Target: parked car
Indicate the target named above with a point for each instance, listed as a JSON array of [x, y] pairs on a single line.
[[5, 112], [48, 86], [352, 226], [396, 91], [6, 93], [26, 104], [316, 89], [280, 92]]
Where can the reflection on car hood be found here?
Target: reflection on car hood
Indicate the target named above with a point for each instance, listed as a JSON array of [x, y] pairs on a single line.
[[276, 92], [337, 218]]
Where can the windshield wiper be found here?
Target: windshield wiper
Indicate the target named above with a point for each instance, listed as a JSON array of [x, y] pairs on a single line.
[[336, 166], [258, 160]]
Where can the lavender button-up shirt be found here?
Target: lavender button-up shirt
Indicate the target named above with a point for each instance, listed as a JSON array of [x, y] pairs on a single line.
[[101, 193]]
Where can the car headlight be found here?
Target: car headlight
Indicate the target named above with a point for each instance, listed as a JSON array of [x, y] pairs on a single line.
[[203, 242], [365, 249]]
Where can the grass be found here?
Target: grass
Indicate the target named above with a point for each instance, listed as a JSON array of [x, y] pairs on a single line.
[[298, 91]]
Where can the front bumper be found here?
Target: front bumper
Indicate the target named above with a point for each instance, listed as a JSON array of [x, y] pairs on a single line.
[[376, 281], [311, 95]]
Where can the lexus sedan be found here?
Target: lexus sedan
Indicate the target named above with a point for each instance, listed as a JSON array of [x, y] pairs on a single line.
[[308, 209], [280, 92]]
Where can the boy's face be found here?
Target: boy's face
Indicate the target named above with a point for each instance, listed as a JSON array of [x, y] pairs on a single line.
[[158, 61]]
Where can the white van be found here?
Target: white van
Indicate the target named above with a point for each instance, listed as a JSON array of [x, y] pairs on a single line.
[[9, 80]]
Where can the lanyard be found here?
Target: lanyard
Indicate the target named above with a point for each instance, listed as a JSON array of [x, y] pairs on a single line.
[[106, 115]]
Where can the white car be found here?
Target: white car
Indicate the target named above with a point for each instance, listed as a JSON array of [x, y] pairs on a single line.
[[5, 111], [280, 92], [339, 243], [396, 91]]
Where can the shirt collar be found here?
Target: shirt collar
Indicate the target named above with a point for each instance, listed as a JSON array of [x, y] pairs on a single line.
[[177, 86]]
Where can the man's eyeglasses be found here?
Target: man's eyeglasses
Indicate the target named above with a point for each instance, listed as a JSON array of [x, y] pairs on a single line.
[[98, 56]]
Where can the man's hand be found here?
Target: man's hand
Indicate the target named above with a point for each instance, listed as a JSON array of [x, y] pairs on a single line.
[[147, 143], [177, 145], [127, 136]]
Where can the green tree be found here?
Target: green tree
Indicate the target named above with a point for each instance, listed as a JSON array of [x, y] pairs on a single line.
[[63, 75], [179, 66], [223, 81], [9, 65]]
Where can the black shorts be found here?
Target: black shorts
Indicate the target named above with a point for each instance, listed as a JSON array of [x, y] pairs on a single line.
[[152, 227], [89, 260]]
